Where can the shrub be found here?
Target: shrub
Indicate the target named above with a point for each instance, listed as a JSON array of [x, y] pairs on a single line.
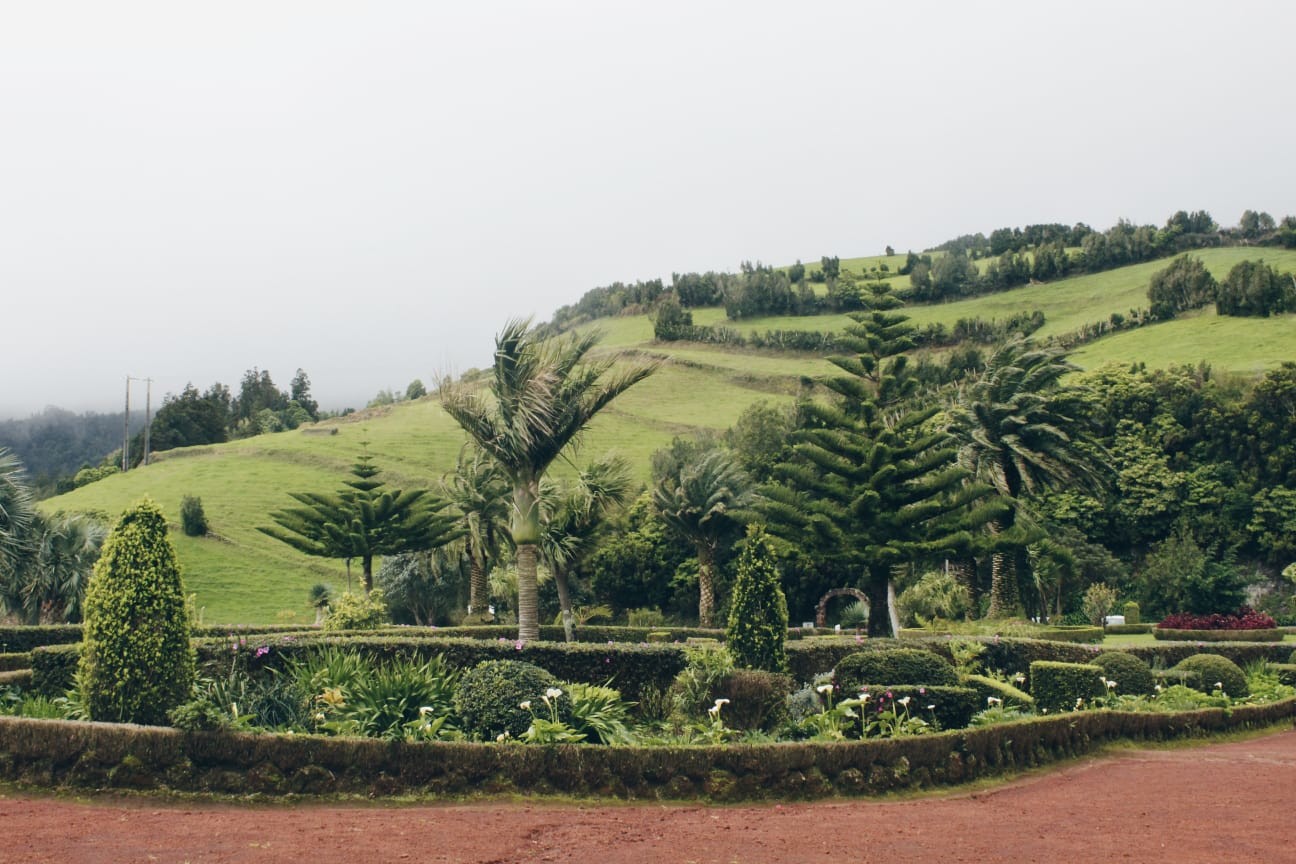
[[599, 713], [690, 692], [1131, 612], [757, 698], [136, 663], [893, 666], [192, 518], [492, 692], [646, 617], [357, 611], [1244, 619], [950, 707], [936, 595], [1065, 686], [1213, 670], [988, 689], [1132, 675], [1097, 603], [383, 702], [758, 616]]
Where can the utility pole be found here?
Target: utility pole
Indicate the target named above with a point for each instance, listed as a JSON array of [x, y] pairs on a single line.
[[126, 431], [148, 408]]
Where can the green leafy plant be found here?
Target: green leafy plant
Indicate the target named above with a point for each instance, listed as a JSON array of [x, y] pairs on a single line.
[[893, 666], [1215, 673], [547, 728], [491, 693], [758, 616], [600, 713], [192, 518], [357, 611], [136, 662]]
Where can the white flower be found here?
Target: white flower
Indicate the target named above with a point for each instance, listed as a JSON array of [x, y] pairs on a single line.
[[1080, 703], [1158, 688], [714, 710], [502, 737], [931, 707], [553, 693], [993, 700], [864, 696], [825, 688], [1111, 685], [1020, 678], [426, 710], [525, 706], [1219, 685], [904, 701]]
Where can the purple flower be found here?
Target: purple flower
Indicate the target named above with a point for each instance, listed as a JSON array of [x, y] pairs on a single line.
[[517, 646], [263, 650]]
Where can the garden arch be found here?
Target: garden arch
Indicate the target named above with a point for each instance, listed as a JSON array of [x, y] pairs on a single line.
[[821, 611]]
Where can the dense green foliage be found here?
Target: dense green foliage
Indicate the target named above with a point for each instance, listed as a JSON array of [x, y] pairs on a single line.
[[1065, 686], [492, 694], [1215, 673], [758, 616], [136, 663], [1185, 284], [193, 519], [893, 666], [1132, 675]]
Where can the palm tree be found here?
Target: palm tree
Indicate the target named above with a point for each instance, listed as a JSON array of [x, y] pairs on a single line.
[[15, 510], [1016, 425], [479, 490], [573, 515], [697, 498], [50, 576], [543, 394]]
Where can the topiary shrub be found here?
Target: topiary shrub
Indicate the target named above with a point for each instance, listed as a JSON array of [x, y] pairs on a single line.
[[136, 662], [193, 521], [758, 616], [947, 707], [1131, 612], [990, 689], [1065, 686], [1214, 669], [757, 699], [357, 611], [893, 666], [1132, 676], [491, 694]]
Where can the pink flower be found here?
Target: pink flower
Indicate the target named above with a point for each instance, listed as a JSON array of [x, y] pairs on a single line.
[[517, 646]]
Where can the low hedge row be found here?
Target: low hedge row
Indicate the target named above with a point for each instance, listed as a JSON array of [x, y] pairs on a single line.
[[16, 678], [1065, 686], [53, 753], [1166, 634], [1286, 673], [11, 662], [1128, 629], [25, 638]]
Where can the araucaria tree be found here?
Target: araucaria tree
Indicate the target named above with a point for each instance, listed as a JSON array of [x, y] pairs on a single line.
[[758, 616], [697, 497], [136, 661], [872, 483], [542, 394], [364, 520], [1017, 429]]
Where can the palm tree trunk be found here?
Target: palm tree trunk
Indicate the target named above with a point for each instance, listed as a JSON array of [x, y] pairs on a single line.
[[528, 594], [564, 603], [706, 585], [964, 571], [1005, 601], [478, 587]]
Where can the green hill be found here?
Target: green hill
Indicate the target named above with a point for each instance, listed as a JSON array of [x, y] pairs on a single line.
[[241, 576]]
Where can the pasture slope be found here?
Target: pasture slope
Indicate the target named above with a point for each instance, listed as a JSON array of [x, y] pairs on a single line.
[[240, 575]]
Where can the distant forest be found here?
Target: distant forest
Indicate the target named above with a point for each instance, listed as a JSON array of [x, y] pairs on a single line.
[[57, 443]]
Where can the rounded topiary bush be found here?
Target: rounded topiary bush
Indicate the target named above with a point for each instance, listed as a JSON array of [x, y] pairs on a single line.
[[1133, 677], [1214, 669], [491, 694], [893, 666], [136, 661]]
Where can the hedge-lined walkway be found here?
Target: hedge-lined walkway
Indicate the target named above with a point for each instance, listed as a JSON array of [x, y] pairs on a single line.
[[1205, 803]]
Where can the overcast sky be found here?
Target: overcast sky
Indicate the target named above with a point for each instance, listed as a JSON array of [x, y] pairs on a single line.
[[367, 190]]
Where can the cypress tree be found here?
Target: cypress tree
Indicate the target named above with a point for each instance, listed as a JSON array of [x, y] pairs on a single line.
[[136, 661], [758, 615]]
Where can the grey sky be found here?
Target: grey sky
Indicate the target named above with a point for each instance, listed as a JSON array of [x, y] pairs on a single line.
[[368, 190]]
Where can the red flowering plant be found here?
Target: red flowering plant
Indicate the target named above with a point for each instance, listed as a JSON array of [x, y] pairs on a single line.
[[1245, 618]]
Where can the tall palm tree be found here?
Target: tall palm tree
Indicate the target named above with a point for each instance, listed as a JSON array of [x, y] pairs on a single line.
[[543, 393], [50, 576], [15, 510], [479, 490], [698, 498], [1017, 429], [573, 514]]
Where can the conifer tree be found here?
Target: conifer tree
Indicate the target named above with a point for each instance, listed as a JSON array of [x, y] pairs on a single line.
[[758, 615], [872, 483]]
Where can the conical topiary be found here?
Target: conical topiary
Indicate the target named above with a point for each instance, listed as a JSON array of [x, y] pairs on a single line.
[[136, 663], [758, 616]]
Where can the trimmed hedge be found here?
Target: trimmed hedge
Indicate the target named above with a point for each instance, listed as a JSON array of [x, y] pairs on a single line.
[[1213, 670], [492, 692], [22, 639], [1286, 673], [1128, 629], [54, 669], [102, 755], [757, 698], [1060, 686], [894, 666], [13, 662], [986, 688], [954, 706], [1132, 675], [1165, 634], [16, 678]]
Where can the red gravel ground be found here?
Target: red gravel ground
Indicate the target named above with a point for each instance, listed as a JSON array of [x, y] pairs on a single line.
[[1209, 803]]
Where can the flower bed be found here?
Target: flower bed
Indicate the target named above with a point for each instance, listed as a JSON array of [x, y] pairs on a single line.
[[51, 753], [1245, 618]]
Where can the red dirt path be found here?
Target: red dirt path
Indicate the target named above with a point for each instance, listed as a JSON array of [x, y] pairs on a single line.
[[1209, 803]]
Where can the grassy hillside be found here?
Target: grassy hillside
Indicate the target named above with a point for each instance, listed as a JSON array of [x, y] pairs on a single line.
[[240, 575]]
